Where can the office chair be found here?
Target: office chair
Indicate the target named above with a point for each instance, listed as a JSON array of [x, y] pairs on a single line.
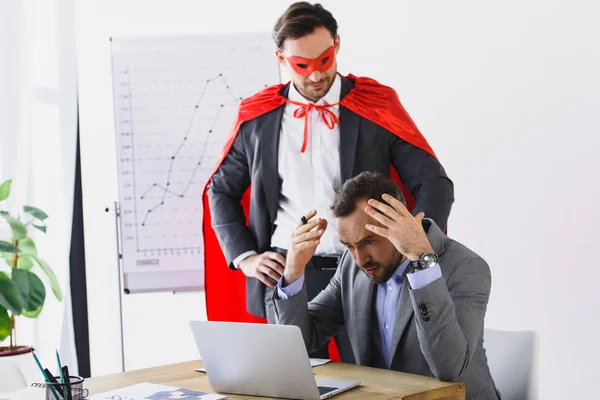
[[11, 376], [511, 359]]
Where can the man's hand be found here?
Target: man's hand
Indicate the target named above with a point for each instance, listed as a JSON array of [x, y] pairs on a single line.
[[303, 243], [260, 266], [402, 229]]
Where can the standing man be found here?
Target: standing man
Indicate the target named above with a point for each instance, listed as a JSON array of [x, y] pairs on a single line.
[[291, 148]]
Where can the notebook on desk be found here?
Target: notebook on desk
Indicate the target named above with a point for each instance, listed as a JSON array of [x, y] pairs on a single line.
[[151, 391], [141, 391], [261, 360]]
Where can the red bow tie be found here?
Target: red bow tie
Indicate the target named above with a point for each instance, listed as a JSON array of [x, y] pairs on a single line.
[[328, 117]]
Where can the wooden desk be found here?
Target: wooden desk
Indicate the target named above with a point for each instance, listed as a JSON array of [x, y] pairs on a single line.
[[376, 383]]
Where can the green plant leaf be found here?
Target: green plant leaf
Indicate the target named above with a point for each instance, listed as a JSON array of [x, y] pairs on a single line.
[[22, 262], [26, 245], [49, 274], [5, 189], [9, 295], [35, 212], [4, 324], [7, 257], [18, 229], [40, 227], [33, 314], [31, 288], [6, 247]]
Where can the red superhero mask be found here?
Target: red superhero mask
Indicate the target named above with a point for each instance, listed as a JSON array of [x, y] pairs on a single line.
[[305, 66]]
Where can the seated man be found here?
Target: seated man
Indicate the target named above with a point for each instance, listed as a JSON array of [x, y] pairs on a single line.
[[411, 299]]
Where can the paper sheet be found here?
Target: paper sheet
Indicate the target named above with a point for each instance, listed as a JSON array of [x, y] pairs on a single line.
[[151, 391], [315, 362]]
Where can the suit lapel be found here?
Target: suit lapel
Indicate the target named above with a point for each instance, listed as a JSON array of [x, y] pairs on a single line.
[[404, 313], [349, 127], [361, 312], [269, 143]]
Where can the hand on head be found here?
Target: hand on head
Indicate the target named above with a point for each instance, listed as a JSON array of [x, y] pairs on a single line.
[[399, 226]]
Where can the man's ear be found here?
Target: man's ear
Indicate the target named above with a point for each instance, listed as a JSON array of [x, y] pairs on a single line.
[[280, 57]]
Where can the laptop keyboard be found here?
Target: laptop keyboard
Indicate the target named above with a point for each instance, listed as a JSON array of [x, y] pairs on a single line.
[[325, 389]]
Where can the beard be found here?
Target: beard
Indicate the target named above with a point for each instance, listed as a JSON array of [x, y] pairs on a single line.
[[384, 270], [315, 93]]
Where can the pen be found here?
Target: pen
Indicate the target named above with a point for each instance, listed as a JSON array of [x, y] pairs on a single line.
[[65, 370], [66, 390], [45, 376], [55, 382]]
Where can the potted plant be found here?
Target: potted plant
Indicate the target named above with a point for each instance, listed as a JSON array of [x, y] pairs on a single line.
[[22, 292]]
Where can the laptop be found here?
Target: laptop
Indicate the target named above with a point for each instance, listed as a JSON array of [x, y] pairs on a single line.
[[261, 360]]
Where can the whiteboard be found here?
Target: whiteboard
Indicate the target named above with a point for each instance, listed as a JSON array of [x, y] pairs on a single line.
[[175, 101]]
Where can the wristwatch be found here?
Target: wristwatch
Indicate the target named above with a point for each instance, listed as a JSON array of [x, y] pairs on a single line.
[[427, 260]]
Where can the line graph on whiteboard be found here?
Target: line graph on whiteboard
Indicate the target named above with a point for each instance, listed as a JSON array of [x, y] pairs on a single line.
[[175, 101]]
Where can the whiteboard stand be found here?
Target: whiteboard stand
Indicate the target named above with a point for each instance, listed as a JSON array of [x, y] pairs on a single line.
[[120, 279]]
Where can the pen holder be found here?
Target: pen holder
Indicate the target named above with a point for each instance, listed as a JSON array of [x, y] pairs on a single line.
[[75, 385]]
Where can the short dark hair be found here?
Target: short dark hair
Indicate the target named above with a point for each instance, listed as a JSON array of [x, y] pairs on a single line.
[[364, 186], [301, 19]]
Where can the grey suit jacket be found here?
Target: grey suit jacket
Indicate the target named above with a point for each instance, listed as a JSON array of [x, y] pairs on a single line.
[[438, 330], [253, 162]]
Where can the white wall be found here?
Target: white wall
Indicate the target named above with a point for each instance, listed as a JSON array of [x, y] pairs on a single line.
[[506, 93]]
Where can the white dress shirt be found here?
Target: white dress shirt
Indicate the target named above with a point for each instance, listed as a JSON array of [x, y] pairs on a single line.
[[309, 179]]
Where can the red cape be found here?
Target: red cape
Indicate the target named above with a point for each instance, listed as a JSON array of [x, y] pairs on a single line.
[[226, 289]]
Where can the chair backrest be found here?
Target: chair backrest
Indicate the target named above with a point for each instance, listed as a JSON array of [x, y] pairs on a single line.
[[511, 358], [11, 376]]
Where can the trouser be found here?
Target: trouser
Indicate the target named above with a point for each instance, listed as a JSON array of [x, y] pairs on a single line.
[[317, 274]]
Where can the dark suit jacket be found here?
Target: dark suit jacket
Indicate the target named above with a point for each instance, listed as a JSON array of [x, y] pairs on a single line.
[[364, 146], [438, 330]]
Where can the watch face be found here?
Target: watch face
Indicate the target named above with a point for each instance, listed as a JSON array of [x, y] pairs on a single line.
[[428, 260]]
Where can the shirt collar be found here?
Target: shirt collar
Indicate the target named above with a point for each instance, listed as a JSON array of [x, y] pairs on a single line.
[[332, 96], [400, 272]]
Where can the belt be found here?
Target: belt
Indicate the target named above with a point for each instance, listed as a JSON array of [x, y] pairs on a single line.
[[324, 263]]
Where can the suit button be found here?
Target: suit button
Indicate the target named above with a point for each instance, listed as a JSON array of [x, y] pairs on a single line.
[[424, 311]]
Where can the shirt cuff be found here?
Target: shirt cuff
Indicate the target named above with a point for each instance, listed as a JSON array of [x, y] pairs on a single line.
[[241, 257], [290, 290], [420, 279]]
